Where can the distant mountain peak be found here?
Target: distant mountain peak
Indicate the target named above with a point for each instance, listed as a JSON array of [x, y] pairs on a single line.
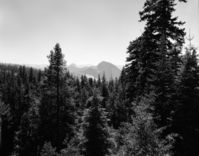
[[104, 62], [107, 64], [73, 64]]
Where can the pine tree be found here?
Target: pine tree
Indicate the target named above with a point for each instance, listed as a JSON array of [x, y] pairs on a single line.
[[56, 108], [39, 76], [135, 78], [164, 86], [116, 104], [143, 52], [95, 130], [186, 117], [153, 57], [161, 32], [104, 91], [133, 70], [99, 81], [141, 136]]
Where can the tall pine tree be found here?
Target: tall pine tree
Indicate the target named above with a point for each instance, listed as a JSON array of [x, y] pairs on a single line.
[[186, 117], [153, 56], [56, 108]]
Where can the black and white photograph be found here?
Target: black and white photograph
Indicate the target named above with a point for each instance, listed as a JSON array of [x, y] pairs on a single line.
[[99, 77]]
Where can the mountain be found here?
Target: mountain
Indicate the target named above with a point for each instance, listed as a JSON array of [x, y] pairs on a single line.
[[93, 71], [109, 69], [75, 69]]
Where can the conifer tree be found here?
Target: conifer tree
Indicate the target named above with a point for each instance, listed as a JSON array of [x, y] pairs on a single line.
[[104, 91], [133, 70], [39, 76], [57, 122], [141, 136], [95, 130], [186, 117], [152, 55], [98, 81], [160, 33], [164, 86], [143, 52], [135, 79], [116, 104]]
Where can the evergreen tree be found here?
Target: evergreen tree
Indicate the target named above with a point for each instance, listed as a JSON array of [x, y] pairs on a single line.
[[98, 81], [95, 130], [132, 69], [141, 136], [104, 91], [144, 51], [152, 58], [39, 76], [164, 86], [56, 108], [186, 117], [161, 31], [116, 104]]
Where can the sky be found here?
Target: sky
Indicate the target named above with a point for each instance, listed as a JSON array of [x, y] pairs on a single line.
[[88, 31]]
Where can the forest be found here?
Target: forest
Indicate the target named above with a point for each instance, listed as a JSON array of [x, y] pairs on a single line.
[[152, 109]]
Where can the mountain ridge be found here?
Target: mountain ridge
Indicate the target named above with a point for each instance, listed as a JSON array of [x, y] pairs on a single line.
[[110, 70], [107, 68]]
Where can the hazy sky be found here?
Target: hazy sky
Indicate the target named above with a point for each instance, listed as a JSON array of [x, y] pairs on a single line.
[[89, 31]]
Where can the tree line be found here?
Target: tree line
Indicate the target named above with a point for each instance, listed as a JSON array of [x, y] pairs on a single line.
[[152, 109]]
